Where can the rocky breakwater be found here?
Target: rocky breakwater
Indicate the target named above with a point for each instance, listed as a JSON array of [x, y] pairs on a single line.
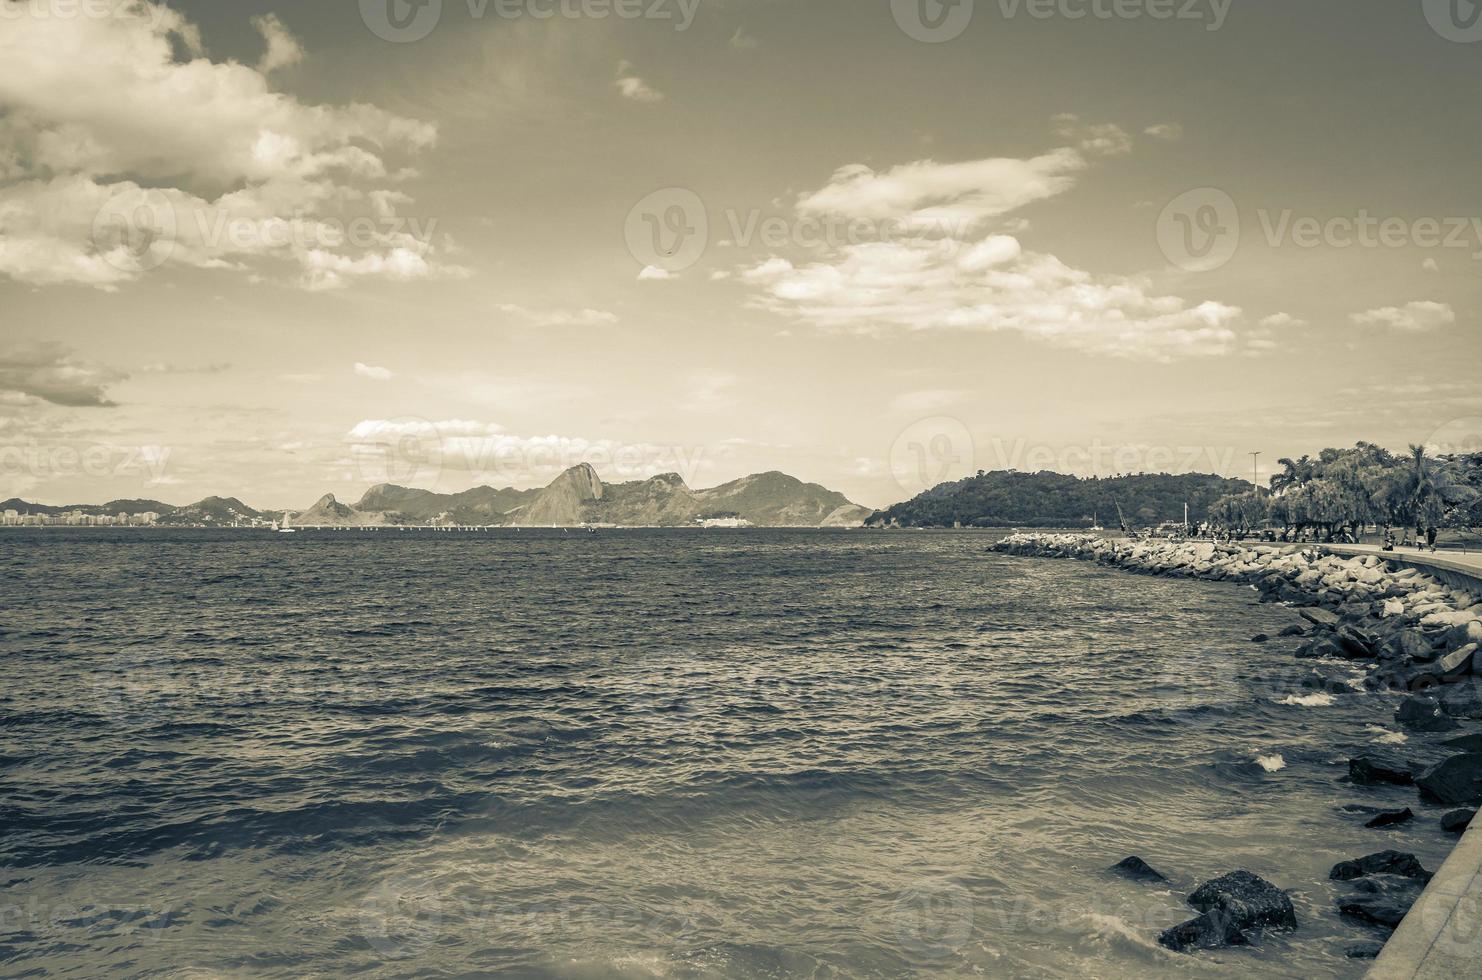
[[1414, 636]]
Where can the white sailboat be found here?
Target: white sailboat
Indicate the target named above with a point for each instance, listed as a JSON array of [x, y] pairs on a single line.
[[284, 528]]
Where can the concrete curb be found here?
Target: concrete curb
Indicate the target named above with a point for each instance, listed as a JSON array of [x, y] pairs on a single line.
[[1441, 937]]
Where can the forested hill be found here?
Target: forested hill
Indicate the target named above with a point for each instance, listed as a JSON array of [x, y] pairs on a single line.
[[1007, 498]]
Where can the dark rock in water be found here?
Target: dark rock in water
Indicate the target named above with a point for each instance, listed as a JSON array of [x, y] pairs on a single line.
[[1423, 715], [1136, 869], [1292, 631], [1250, 900], [1455, 821], [1321, 617], [1323, 646], [1454, 781], [1368, 770], [1356, 644], [1259, 638], [1464, 743], [1364, 951], [1381, 901], [1212, 930], [1383, 862], [1388, 818], [1318, 681]]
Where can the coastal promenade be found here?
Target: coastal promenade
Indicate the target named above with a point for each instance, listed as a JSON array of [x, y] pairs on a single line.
[[1458, 569]]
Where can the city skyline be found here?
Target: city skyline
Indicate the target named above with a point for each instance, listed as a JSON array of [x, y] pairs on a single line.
[[828, 239]]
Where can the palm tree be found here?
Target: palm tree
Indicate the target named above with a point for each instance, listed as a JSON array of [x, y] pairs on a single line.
[[1421, 491], [1295, 474]]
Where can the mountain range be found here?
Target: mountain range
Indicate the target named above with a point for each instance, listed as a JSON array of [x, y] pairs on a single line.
[[578, 496]]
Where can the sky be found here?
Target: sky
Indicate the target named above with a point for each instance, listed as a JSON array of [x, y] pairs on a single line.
[[274, 250]]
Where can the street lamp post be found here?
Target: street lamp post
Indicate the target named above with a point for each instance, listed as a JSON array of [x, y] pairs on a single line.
[[1254, 470]]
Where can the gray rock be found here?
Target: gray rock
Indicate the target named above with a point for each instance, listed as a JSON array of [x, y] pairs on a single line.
[[1464, 743], [1259, 638], [1136, 869], [1453, 781], [1388, 818], [1364, 951], [1456, 821], [1292, 631], [1423, 715], [1251, 901], [1383, 862], [1382, 900], [1409, 643], [1212, 930], [1321, 617], [1369, 770], [1356, 644]]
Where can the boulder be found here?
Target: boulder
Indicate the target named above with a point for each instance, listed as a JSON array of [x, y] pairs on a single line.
[[1251, 901], [1364, 951], [1259, 638], [1456, 821], [1367, 770], [1356, 644], [1383, 862], [1316, 680], [1454, 781], [1464, 743], [1388, 818], [1292, 631], [1457, 662], [1212, 930], [1136, 869], [1423, 715], [1320, 648], [1379, 910], [1321, 617], [1409, 643]]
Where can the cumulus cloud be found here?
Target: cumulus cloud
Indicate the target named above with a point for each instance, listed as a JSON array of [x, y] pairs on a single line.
[[372, 372], [654, 273], [635, 88], [1417, 317], [1167, 132], [1101, 139], [489, 452], [282, 49], [559, 318], [947, 196], [49, 372], [1277, 321], [957, 268], [124, 158]]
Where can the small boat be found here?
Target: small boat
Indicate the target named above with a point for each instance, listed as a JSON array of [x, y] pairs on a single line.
[[284, 528]]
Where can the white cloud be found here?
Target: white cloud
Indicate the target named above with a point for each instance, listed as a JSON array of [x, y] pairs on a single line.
[[953, 197], [1101, 139], [50, 372], [95, 109], [1277, 321], [372, 372], [654, 273], [282, 49], [1416, 317], [560, 318], [977, 278], [635, 88], [1168, 132]]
